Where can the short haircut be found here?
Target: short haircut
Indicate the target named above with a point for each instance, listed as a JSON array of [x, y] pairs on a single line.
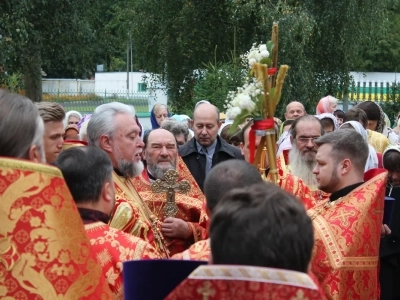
[[20, 125], [235, 137], [227, 175], [102, 121], [371, 109], [261, 225], [327, 122], [176, 128], [305, 118], [391, 160], [339, 113], [356, 114], [85, 170], [347, 143], [51, 111]]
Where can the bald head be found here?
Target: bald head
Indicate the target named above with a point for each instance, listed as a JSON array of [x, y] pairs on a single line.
[[206, 108], [161, 152], [206, 124], [294, 110]]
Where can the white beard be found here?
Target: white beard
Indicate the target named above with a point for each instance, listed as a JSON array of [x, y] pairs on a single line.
[[301, 168]]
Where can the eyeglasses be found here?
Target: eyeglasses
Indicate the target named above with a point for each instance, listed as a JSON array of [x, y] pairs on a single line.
[[305, 140]]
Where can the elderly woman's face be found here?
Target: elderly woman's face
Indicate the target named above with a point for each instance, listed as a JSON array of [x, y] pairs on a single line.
[[73, 120], [161, 114]]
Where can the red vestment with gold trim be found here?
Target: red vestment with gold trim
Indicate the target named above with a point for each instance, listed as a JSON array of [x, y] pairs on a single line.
[[112, 247], [225, 282], [200, 250], [191, 208], [347, 236], [44, 250], [132, 215]]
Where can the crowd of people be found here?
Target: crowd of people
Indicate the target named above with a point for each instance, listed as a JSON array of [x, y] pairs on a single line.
[[80, 195]]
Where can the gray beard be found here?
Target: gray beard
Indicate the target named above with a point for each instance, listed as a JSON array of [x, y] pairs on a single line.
[[301, 168], [130, 169], [158, 172]]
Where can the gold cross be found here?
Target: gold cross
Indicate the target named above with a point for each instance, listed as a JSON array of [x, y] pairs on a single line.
[[170, 185], [342, 216], [206, 290]]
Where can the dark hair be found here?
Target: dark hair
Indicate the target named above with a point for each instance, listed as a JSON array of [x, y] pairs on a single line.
[[261, 225], [227, 175], [85, 170], [391, 161], [232, 138], [371, 109], [326, 122], [347, 143], [305, 118], [339, 113], [20, 125], [356, 114]]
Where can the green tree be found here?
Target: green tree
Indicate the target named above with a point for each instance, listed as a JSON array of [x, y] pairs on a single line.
[[57, 36]]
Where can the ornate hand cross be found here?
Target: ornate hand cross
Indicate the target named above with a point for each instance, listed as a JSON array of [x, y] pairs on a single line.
[[170, 186]]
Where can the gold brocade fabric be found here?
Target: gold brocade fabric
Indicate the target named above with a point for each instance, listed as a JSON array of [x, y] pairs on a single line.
[[378, 141], [347, 236], [44, 249], [132, 215], [225, 282], [310, 196], [112, 247], [200, 250], [191, 210]]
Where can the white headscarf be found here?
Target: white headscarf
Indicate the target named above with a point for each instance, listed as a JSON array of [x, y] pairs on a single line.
[[372, 161], [69, 114]]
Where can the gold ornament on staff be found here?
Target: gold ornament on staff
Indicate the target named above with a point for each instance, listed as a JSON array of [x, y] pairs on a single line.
[[170, 185], [272, 84]]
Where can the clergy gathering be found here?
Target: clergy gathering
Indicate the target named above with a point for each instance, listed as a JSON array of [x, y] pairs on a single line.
[[229, 175]]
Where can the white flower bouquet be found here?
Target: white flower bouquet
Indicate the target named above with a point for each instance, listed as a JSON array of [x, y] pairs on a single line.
[[258, 99]]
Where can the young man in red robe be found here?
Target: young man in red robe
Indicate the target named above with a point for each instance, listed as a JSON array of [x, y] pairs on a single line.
[[261, 244], [347, 227], [88, 173]]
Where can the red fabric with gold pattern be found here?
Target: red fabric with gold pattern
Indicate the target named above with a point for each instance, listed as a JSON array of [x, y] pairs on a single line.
[[225, 282], [200, 250], [112, 247], [131, 215], [191, 209], [347, 236], [295, 186], [44, 250]]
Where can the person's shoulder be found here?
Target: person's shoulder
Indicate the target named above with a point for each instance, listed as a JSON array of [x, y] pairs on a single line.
[[187, 148]]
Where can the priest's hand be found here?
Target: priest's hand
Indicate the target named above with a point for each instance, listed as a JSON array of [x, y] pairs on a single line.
[[175, 228]]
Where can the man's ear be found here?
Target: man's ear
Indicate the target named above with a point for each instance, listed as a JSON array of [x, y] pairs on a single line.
[[105, 143], [219, 124], [108, 197], [35, 155], [346, 166], [191, 123]]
